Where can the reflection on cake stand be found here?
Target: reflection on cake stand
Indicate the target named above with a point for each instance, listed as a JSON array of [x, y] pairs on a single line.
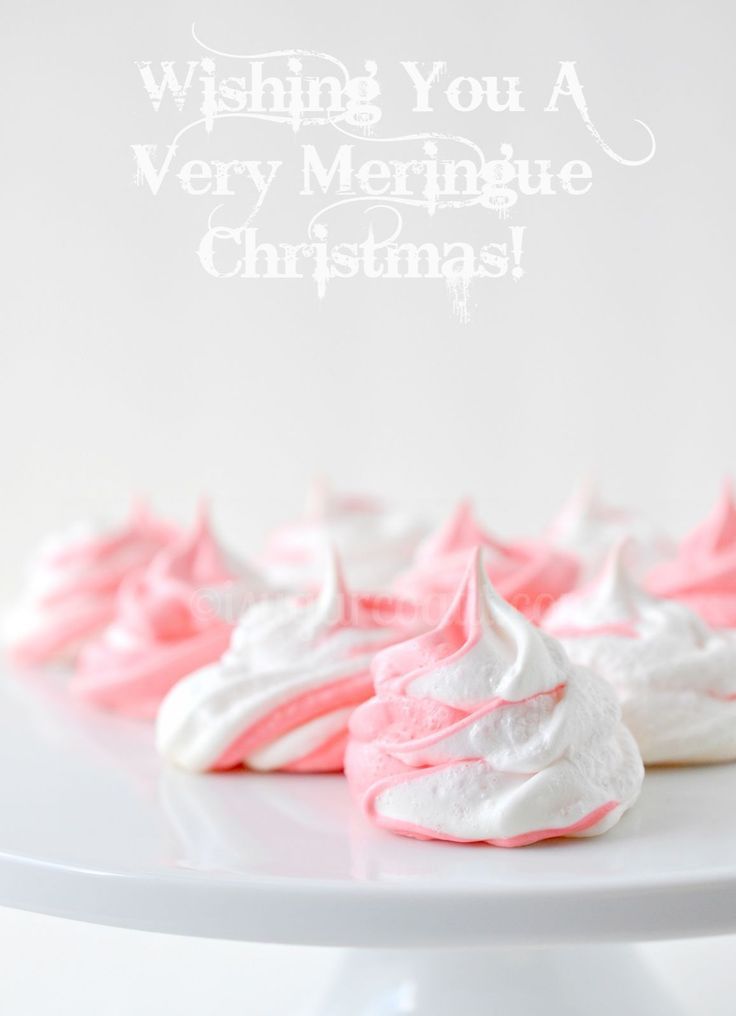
[[95, 830]]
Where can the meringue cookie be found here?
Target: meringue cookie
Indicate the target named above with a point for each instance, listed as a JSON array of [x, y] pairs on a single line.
[[483, 730], [675, 677], [589, 528], [529, 575], [702, 574], [374, 542], [281, 696], [72, 585], [167, 624]]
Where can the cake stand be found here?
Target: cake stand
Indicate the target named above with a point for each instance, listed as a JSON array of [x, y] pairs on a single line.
[[95, 829]]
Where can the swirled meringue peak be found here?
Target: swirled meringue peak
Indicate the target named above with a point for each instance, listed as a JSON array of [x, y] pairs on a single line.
[[588, 528], [483, 730], [171, 618], [374, 542], [702, 574], [675, 677], [281, 696], [72, 585], [529, 575]]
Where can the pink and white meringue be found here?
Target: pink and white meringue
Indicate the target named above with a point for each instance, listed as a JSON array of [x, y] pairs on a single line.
[[702, 574], [529, 575], [675, 677], [374, 542], [483, 730], [588, 528], [171, 619], [72, 585], [281, 696]]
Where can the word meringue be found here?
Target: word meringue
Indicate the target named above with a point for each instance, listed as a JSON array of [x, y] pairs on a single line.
[[675, 677], [281, 696], [167, 624], [588, 528], [483, 730], [530, 576], [72, 585], [702, 574], [374, 543]]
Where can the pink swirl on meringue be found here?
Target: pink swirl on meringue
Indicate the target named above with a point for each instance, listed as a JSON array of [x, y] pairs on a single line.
[[530, 576], [281, 696], [702, 574], [73, 584], [482, 730], [165, 626]]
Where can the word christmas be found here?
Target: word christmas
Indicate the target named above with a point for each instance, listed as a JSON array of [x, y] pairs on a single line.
[[227, 252]]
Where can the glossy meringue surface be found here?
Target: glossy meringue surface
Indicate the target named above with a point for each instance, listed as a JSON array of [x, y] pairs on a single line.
[[281, 695], [170, 618], [675, 676], [702, 574], [374, 542], [72, 585], [483, 730], [531, 576]]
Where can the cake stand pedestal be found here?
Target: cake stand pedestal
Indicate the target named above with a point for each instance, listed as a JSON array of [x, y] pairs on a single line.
[[95, 829], [595, 980]]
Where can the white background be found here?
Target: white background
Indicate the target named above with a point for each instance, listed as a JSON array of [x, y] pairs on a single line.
[[126, 369]]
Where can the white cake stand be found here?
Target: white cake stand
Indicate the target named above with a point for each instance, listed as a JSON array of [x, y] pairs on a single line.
[[93, 828]]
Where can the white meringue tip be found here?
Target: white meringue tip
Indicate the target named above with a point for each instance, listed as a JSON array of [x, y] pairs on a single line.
[[581, 498], [333, 588], [615, 580], [474, 593], [617, 561], [482, 582], [319, 495], [476, 578]]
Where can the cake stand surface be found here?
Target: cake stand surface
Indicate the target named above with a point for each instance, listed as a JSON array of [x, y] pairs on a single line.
[[96, 829]]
